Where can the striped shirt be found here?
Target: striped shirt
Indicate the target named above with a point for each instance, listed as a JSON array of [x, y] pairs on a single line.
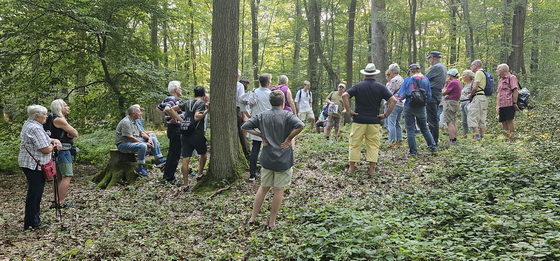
[[33, 137], [506, 86], [170, 101]]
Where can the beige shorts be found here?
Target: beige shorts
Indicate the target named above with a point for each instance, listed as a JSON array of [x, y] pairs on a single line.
[[277, 179], [478, 109], [304, 115], [450, 109]]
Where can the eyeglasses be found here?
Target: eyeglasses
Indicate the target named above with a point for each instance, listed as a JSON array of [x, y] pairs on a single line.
[[388, 74]]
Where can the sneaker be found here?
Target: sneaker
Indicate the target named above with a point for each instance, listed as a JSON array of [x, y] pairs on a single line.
[[141, 172], [160, 163], [252, 177], [39, 227], [411, 155]]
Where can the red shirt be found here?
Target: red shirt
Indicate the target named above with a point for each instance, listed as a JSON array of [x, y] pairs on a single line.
[[506, 86]]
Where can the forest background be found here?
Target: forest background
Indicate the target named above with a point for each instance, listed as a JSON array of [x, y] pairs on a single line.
[[102, 56]]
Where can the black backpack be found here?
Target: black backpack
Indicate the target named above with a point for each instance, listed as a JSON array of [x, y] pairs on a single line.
[[189, 124], [47, 126], [418, 97]]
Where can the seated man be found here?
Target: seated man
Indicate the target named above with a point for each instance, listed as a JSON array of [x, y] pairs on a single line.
[[127, 139], [160, 162]]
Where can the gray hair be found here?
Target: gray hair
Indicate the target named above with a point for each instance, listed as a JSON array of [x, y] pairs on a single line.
[[57, 106], [133, 108], [469, 73], [283, 79], [173, 85], [35, 110], [505, 66], [395, 68], [477, 63]]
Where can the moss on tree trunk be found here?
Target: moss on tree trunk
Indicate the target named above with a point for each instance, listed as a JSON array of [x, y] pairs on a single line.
[[119, 170]]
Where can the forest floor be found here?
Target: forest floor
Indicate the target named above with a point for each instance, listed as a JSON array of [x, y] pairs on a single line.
[[473, 200]]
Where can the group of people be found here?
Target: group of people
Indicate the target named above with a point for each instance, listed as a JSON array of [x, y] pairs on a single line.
[[38, 147], [272, 122]]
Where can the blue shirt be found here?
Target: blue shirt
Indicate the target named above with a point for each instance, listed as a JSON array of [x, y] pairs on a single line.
[[369, 94], [408, 85]]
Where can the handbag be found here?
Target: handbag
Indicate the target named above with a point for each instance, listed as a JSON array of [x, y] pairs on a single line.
[[49, 168]]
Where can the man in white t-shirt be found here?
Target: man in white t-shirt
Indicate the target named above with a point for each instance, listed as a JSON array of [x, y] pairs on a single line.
[[304, 103]]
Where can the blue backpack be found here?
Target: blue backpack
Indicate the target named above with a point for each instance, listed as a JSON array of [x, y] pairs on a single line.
[[489, 88], [326, 111]]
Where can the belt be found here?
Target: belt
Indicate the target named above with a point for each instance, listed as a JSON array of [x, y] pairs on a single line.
[[480, 94], [465, 100]]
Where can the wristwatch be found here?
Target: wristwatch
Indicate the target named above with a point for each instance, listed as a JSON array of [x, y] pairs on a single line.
[[514, 102]]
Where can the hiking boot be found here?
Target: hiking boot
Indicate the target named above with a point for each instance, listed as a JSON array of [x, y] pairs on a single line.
[[141, 172]]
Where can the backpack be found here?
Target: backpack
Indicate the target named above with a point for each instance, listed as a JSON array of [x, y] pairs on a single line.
[[326, 111], [249, 98], [418, 96], [298, 94], [523, 98], [489, 88], [188, 125], [47, 126], [286, 103]]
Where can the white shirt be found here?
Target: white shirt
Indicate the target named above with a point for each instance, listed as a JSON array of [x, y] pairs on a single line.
[[240, 91], [304, 100], [263, 104]]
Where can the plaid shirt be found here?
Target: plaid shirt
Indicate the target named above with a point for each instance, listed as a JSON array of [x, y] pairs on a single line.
[[506, 86], [34, 138]]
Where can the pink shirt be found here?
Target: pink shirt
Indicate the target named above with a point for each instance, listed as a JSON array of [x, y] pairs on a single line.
[[454, 88], [506, 86]]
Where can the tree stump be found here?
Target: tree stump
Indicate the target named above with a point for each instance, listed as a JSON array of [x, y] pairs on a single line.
[[120, 169]]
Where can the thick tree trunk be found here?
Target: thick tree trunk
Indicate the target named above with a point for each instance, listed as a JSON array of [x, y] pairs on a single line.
[[515, 59], [379, 38], [227, 163], [313, 20]]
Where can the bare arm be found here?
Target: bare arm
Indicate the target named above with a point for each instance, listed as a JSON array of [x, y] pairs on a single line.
[[172, 112], [55, 144], [345, 101], [474, 89], [390, 106], [291, 101], [63, 124]]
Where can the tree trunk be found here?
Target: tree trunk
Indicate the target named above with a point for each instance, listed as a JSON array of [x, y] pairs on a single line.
[[313, 20], [192, 51], [506, 19], [297, 47], [535, 46], [469, 40], [119, 170], [154, 36], [515, 59], [379, 38], [453, 35], [412, 42], [227, 161], [255, 40], [350, 47]]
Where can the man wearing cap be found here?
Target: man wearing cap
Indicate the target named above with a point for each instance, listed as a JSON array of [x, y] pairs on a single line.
[[366, 118], [506, 106], [451, 104], [334, 99], [436, 75], [478, 108], [416, 115], [128, 138]]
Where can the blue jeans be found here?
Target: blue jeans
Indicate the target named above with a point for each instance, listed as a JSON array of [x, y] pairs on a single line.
[[156, 151], [413, 116], [134, 147], [35, 188], [174, 153], [394, 124]]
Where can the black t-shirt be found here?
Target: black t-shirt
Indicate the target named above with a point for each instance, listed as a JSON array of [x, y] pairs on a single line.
[[368, 94], [197, 106], [60, 134]]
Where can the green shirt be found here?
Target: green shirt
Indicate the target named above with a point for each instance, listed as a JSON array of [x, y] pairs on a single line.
[[337, 99]]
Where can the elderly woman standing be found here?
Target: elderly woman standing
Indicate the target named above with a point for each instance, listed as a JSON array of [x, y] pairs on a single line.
[[37, 142], [394, 82], [65, 133], [468, 77]]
